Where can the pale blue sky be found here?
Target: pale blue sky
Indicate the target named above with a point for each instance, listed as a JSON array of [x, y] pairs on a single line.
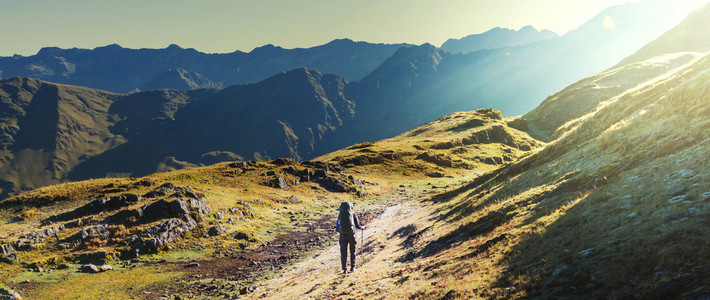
[[229, 25]]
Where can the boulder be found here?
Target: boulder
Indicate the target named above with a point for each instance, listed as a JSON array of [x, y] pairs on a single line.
[[105, 268], [89, 268], [240, 235], [216, 230]]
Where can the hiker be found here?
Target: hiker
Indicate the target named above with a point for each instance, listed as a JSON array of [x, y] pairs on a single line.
[[346, 224]]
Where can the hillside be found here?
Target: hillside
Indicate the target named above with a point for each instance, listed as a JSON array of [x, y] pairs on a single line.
[[240, 216], [615, 206], [422, 83], [690, 35], [56, 133], [463, 207], [117, 69]]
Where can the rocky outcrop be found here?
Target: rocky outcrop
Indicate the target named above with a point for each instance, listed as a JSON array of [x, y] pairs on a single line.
[[279, 182], [26, 242], [162, 209], [100, 232], [443, 160], [498, 134], [98, 206], [156, 237], [334, 184]]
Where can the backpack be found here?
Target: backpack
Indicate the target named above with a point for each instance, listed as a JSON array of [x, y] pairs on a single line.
[[345, 223]]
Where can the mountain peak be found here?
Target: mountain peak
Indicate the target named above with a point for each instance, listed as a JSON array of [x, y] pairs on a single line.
[[341, 41], [266, 49], [48, 51], [527, 29]]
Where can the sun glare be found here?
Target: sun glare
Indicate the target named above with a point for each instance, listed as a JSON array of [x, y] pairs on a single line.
[[608, 22]]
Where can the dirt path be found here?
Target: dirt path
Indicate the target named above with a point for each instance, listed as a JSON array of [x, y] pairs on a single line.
[[320, 276], [226, 276]]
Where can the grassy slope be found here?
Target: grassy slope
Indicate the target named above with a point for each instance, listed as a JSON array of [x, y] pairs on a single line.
[[223, 186], [614, 207]]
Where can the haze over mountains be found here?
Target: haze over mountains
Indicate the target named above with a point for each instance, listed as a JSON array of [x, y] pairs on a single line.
[[497, 38], [299, 113]]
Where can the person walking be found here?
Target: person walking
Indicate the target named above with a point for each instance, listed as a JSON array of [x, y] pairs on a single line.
[[346, 224]]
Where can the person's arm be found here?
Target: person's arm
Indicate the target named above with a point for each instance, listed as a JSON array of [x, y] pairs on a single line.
[[357, 221]]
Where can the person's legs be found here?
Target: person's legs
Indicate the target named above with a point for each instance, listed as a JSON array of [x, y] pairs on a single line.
[[343, 252], [353, 241]]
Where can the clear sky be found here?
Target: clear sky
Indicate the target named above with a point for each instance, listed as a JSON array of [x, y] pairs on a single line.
[[229, 25]]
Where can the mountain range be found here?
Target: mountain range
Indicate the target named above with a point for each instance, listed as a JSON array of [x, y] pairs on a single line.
[[117, 69], [497, 38], [89, 133], [599, 192]]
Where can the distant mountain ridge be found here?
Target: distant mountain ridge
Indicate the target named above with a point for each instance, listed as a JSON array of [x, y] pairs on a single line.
[[497, 38], [117, 69], [422, 83], [52, 133]]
